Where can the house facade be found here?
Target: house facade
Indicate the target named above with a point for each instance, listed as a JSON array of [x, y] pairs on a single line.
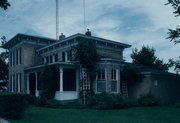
[[28, 55]]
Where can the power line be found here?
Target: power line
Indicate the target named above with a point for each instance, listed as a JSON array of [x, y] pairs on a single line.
[[57, 19], [84, 11]]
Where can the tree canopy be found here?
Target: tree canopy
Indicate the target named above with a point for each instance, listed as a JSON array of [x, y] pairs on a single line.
[[49, 81], [4, 4], [146, 56], [86, 54], [3, 70], [174, 34]]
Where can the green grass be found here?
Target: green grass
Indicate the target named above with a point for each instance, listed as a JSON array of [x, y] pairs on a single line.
[[131, 115]]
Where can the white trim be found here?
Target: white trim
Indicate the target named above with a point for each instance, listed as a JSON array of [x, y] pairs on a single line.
[[12, 83], [18, 82], [36, 85], [61, 79], [28, 91]]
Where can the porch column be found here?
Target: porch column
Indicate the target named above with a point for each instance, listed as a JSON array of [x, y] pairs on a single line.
[[12, 84], [18, 83], [27, 77], [61, 79], [36, 82]]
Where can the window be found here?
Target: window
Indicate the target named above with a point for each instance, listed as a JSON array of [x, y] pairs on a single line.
[[47, 59], [101, 74], [13, 58], [67, 56], [51, 59], [101, 82], [19, 55], [114, 78], [56, 57], [10, 59], [43, 61], [63, 56]]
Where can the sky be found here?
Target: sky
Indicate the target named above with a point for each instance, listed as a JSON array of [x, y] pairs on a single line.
[[135, 22]]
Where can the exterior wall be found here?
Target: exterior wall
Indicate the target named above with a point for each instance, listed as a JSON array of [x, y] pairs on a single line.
[[32, 58], [110, 54], [28, 58], [165, 87]]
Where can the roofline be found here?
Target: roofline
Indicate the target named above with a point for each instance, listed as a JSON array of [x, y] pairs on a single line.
[[44, 65], [89, 37], [107, 40], [34, 36]]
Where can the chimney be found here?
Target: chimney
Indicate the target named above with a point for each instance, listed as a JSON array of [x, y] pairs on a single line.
[[62, 36], [88, 33]]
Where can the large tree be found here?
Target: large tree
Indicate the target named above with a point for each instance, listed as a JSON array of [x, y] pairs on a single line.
[[4, 4], [86, 54], [146, 57], [174, 34], [3, 70]]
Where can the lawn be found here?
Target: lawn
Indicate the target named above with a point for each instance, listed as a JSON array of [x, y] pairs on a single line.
[[131, 115]]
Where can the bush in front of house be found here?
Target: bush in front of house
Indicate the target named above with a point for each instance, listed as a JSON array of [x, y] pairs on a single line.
[[31, 99], [177, 105], [148, 100], [52, 103], [13, 105], [107, 101]]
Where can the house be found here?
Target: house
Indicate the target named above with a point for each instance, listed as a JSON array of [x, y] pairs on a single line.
[[28, 55]]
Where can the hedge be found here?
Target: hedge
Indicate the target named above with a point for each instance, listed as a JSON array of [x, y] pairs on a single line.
[[13, 105]]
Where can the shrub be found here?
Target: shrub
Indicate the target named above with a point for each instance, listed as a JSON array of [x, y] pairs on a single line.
[[148, 100], [177, 105], [31, 99], [106, 101], [12, 105], [52, 103]]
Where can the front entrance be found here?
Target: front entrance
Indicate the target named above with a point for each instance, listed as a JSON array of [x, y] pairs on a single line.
[[69, 79], [32, 84]]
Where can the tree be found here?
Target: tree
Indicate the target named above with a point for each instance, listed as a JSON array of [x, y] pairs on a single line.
[[86, 54], [174, 34], [3, 71], [131, 74], [4, 4], [146, 57], [49, 83]]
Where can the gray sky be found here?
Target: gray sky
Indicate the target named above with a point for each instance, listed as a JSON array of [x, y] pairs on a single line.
[[136, 22]]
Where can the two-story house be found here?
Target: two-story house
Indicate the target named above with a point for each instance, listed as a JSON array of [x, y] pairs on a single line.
[[29, 54]]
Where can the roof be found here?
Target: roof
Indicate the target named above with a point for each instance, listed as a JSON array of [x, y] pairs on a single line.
[[87, 37], [16, 39]]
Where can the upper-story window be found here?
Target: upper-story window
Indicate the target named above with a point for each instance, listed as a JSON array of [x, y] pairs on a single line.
[[15, 57], [50, 59], [56, 57], [67, 56]]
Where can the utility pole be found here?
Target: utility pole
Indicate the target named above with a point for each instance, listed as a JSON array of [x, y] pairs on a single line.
[[57, 19]]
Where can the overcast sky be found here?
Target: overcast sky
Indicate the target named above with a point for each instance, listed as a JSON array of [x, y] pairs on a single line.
[[135, 22]]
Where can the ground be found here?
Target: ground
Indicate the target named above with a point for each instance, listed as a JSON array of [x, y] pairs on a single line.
[[163, 114]]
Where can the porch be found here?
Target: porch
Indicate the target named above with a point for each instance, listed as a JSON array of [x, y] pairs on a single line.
[[67, 88]]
